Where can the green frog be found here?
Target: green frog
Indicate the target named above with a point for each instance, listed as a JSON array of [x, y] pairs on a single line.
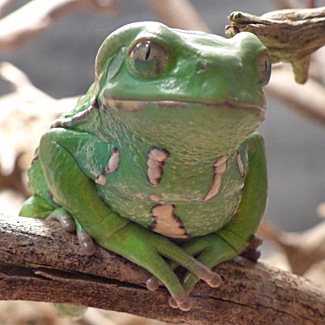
[[160, 161]]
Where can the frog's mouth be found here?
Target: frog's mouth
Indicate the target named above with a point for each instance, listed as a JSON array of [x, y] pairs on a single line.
[[137, 105]]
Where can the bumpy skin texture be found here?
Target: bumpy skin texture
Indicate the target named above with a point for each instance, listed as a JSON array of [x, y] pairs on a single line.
[[160, 158]]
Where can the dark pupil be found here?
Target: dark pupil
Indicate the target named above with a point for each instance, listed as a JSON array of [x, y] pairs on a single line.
[[148, 51]]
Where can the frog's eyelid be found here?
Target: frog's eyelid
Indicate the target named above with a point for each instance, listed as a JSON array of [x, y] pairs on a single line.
[[146, 39], [264, 67]]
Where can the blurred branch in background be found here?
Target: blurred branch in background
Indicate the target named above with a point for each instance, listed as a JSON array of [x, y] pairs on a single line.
[[20, 136], [284, 4], [169, 13], [23, 25]]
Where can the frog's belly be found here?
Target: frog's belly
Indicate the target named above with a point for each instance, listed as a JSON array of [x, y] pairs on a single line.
[[176, 219]]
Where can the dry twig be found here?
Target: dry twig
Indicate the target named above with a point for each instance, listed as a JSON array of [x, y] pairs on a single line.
[[290, 35], [41, 262]]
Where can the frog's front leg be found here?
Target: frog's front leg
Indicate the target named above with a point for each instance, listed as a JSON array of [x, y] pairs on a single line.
[[74, 189], [92, 155], [232, 239]]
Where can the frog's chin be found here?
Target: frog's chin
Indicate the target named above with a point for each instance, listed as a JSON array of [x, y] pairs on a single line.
[[137, 105]]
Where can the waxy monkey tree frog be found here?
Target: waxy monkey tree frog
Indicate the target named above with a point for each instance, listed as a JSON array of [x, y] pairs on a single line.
[[160, 158]]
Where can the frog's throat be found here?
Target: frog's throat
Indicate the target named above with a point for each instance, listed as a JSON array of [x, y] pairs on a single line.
[[137, 105]]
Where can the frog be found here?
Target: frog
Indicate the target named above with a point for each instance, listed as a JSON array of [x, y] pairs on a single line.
[[161, 161]]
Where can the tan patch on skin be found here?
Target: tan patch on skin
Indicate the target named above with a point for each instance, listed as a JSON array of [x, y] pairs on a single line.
[[155, 197], [219, 168], [240, 165], [166, 222], [111, 166], [156, 160]]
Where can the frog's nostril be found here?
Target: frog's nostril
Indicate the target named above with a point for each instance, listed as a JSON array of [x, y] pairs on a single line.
[[202, 66]]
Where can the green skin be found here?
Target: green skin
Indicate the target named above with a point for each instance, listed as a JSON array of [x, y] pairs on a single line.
[[172, 115]]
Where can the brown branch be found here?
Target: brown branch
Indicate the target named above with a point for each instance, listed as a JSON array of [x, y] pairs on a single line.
[[40, 262], [29, 21], [290, 35]]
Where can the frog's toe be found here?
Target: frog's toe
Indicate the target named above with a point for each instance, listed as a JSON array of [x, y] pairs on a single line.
[[215, 281], [211, 278], [251, 251], [152, 283], [69, 224], [184, 305], [86, 242], [66, 221]]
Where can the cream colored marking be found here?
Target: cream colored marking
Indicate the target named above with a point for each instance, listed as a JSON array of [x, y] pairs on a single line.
[[155, 197], [166, 222], [158, 154], [240, 165], [111, 166], [101, 179], [113, 162], [219, 168], [55, 200], [155, 163], [82, 115], [239, 200], [126, 105]]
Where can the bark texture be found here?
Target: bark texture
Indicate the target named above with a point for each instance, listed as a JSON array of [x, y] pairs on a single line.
[[41, 262]]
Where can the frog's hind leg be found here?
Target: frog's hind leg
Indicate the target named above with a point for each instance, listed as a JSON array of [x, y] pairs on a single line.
[[234, 237]]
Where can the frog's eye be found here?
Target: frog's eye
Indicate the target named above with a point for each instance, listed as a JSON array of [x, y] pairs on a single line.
[[264, 68], [147, 59]]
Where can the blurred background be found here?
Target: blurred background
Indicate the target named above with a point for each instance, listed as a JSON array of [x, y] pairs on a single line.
[[60, 63]]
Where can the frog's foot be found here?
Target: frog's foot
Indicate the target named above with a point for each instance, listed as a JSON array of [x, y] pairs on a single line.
[[61, 215], [251, 252], [37, 207], [86, 242], [210, 250], [148, 250], [70, 224]]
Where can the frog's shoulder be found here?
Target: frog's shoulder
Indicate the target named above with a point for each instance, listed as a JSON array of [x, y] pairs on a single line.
[[80, 112]]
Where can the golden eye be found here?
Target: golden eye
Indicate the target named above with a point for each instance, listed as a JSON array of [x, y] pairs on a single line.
[[147, 59], [264, 68]]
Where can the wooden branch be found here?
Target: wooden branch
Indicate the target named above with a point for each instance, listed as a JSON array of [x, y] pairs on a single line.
[[41, 262], [29, 21], [290, 35]]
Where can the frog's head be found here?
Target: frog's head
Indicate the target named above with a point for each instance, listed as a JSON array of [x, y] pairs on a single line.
[[172, 86]]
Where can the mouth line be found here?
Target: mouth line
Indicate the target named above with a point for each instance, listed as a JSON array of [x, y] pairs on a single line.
[[134, 105]]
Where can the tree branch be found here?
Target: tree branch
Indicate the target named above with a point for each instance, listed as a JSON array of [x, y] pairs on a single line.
[[290, 35], [41, 262]]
